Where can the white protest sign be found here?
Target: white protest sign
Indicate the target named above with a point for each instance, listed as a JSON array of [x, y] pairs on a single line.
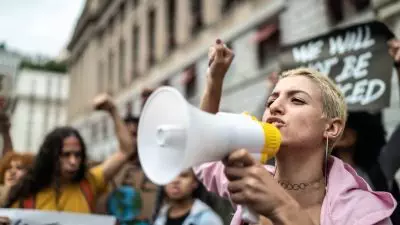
[[37, 217]]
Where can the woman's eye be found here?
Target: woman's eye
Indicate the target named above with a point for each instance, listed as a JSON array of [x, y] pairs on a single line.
[[268, 104], [297, 101]]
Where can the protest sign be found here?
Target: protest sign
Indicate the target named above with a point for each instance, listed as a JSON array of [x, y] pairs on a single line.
[[36, 217], [356, 58]]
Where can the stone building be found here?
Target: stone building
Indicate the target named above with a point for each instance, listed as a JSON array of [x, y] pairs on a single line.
[[126, 46]]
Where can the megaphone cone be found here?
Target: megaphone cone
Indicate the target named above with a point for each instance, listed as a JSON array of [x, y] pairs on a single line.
[[174, 135]]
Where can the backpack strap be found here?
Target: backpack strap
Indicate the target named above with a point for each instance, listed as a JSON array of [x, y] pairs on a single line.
[[87, 191], [28, 203]]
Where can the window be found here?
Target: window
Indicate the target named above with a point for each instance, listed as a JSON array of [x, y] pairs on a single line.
[[2, 82], [152, 37], [110, 70], [49, 96], [171, 24], [228, 5], [121, 69], [111, 25], [268, 41], [94, 132], [31, 113], [336, 8], [104, 128], [100, 74], [197, 16], [122, 11], [135, 51], [189, 81], [135, 4]]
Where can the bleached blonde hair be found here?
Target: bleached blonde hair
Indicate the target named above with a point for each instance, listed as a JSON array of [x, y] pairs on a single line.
[[333, 100]]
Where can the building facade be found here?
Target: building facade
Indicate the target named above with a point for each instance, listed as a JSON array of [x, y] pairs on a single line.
[[40, 107], [125, 46]]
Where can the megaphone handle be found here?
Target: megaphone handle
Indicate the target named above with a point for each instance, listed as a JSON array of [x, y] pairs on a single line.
[[249, 215]]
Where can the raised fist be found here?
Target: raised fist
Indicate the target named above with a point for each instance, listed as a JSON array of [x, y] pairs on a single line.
[[220, 58], [104, 102]]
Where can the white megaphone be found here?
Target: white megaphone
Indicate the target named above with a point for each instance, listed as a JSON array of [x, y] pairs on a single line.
[[174, 136]]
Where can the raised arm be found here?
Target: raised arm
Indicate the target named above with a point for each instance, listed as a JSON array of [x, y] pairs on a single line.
[[211, 174], [5, 133], [126, 143], [220, 58]]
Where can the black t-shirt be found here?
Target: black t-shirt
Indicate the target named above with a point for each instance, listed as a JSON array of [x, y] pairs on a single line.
[[178, 220]]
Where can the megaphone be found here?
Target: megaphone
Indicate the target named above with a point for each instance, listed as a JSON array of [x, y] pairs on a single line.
[[174, 136]]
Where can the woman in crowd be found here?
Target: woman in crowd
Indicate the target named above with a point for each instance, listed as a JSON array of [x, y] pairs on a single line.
[[182, 202], [306, 185], [13, 166]]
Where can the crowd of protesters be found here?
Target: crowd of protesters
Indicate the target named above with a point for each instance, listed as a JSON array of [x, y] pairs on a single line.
[[61, 178]]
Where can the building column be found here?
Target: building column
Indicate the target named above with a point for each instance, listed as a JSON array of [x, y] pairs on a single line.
[[212, 11], [183, 21], [161, 30]]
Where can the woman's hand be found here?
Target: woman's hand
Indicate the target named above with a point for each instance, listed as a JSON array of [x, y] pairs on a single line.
[[252, 185], [220, 58]]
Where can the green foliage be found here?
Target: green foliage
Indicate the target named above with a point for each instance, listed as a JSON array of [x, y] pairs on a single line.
[[50, 65]]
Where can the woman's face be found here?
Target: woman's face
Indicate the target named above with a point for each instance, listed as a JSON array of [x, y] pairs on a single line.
[[295, 108], [14, 173], [71, 157], [181, 187]]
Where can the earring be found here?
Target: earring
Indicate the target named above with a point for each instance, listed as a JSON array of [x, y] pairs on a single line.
[[326, 162]]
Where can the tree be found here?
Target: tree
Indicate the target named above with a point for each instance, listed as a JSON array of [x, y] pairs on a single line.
[[50, 65]]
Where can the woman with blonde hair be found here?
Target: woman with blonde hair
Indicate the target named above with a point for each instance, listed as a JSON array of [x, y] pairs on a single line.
[[306, 185]]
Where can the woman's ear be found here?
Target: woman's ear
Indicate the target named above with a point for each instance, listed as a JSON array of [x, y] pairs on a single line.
[[334, 129]]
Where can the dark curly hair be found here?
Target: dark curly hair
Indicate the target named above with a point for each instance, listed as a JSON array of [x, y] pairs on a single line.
[[46, 168], [369, 143]]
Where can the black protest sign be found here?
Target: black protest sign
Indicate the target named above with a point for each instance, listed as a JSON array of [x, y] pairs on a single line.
[[355, 57]]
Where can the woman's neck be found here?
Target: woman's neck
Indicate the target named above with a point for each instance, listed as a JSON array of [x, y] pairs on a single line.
[[180, 207], [301, 173]]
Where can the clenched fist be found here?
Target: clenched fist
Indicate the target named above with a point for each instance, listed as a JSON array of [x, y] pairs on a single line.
[[220, 58], [104, 102]]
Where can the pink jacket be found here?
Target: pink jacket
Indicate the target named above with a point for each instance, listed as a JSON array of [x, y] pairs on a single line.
[[348, 201]]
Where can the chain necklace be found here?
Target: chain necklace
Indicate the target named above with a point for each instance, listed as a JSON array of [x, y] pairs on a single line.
[[300, 186]]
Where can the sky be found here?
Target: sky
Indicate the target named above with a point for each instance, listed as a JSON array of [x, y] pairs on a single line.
[[38, 26]]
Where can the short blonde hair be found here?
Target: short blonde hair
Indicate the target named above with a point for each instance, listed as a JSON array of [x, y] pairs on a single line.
[[333, 100]]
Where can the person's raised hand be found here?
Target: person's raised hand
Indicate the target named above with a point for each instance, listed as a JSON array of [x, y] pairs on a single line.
[[220, 58], [104, 102]]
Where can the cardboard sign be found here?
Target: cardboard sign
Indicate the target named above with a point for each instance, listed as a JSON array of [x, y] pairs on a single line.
[[355, 57], [37, 217]]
